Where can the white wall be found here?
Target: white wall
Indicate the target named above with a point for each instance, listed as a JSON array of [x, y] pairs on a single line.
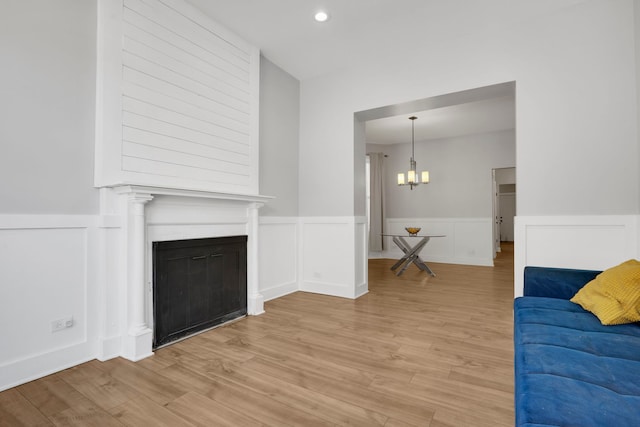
[[460, 173], [49, 260], [359, 169], [279, 129], [47, 82], [576, 109], [279, 228], [636, 21], [575, 100]]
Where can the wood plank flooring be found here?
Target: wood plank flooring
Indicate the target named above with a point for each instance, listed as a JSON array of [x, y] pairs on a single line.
[[415, 351]]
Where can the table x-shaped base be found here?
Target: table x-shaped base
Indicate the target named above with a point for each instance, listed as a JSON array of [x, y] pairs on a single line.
[[411, 255]]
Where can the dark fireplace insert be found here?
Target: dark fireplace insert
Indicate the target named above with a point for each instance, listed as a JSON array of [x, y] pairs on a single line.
[[197, 284]]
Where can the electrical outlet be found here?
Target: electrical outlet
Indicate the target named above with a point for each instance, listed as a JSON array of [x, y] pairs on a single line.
[[60, 324]]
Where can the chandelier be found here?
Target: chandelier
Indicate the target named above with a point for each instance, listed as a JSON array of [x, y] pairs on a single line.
[[412, 178]]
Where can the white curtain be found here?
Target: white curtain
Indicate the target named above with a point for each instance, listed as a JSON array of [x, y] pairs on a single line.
[[376, 212]]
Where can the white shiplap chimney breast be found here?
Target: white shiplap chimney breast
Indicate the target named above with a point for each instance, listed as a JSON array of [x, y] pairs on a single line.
[[176, 150], [178, 100]]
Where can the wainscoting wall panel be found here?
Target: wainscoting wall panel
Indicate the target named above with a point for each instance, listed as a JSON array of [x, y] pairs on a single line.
[[48, 269], [584, 242], [466, 241], [278, 261], [361, 266], [54, 266], [328, 255]]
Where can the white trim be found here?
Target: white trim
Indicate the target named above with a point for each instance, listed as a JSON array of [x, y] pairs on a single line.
[[332, 220], [108, 131], [294, 220], [33, 368], [275, 292], [179, 192]]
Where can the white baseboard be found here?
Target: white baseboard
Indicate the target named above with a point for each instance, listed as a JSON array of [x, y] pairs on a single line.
[[279, 291], [361, 290], [109, 348], [31, 368], [325, 288]]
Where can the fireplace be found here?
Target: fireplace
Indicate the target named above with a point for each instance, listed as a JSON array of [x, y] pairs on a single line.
[[153, 215], [197, 284]]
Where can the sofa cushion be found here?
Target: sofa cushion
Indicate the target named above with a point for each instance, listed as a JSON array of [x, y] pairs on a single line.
[[577, 404], [571, 369], [562, 283], [614, 295]]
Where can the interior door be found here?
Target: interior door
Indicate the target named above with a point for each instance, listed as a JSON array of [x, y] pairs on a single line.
[[496, 215], [507, 208]]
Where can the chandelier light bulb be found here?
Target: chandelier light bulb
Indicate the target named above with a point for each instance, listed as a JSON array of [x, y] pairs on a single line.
[[321, 16]]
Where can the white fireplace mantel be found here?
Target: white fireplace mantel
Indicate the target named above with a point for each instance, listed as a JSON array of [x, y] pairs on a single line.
[[163, 191], [159, 213]]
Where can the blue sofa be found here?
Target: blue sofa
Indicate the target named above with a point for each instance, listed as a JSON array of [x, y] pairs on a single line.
[[570, 370]]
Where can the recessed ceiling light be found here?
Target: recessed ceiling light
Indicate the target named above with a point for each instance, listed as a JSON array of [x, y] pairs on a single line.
[[321, 16]]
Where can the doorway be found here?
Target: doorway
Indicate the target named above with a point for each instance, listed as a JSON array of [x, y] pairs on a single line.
[[504, 206], [380, 130]]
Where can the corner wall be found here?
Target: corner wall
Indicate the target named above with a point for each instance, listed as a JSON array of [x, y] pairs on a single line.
[[279, 136]]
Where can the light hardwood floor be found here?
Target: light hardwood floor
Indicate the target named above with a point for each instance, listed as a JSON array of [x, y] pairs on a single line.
[[414, 351]]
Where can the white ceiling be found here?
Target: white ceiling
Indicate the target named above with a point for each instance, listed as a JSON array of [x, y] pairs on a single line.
[[491, 115], [361, 32]]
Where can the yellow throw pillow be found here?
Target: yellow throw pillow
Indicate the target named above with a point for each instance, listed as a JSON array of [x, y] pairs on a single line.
[[614, 295]]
